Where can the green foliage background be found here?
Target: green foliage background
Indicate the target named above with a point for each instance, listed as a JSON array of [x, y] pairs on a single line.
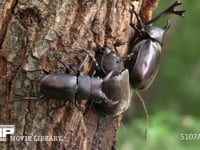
[[174, 98]]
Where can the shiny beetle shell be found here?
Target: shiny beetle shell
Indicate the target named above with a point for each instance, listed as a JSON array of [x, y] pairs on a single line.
[[59, 86], [117, 88], [110, 61], [146, 64], [147, 47], [70, 87]]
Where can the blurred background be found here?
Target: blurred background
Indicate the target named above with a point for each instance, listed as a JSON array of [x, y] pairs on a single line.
[[173, 100]]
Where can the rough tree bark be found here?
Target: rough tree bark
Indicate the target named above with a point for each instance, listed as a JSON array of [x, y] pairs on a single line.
[[71, 26]]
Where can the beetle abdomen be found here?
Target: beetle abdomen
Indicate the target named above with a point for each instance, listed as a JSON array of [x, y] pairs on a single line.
[[59, 86], [146, 63], [117, 89]]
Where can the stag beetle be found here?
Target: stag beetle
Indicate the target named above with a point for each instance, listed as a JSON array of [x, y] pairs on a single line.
[[113, 91], [144, 56], [65, 86]]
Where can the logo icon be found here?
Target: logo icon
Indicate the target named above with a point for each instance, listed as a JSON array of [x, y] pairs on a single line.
[[5, 130]]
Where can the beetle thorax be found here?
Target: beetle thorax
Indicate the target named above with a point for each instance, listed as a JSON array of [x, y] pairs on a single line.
[[155, 33]]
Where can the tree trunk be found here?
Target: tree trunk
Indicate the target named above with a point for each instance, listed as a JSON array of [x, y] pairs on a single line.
[[32, 33]]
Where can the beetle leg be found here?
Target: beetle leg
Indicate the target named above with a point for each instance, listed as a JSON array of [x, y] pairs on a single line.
[[128, 57], [44, 70], [82, 64], [67, 68], [166, 27], [49, 112], [77, 105], [89, 104], [107, 77], [41, 97], [170, 10], [93, 59], [117, 44], [146, 113], [104, 98], [111, 102], [102, 94], [78, 73], [141, 25]]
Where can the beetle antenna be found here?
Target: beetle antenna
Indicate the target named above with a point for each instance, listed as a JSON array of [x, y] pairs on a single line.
[[146, 114], [37, 70], [86, 59]]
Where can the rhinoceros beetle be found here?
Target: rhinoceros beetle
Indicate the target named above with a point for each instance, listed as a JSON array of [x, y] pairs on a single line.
[[107, 60], [117, 88], [144, 57], [110, 61]]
